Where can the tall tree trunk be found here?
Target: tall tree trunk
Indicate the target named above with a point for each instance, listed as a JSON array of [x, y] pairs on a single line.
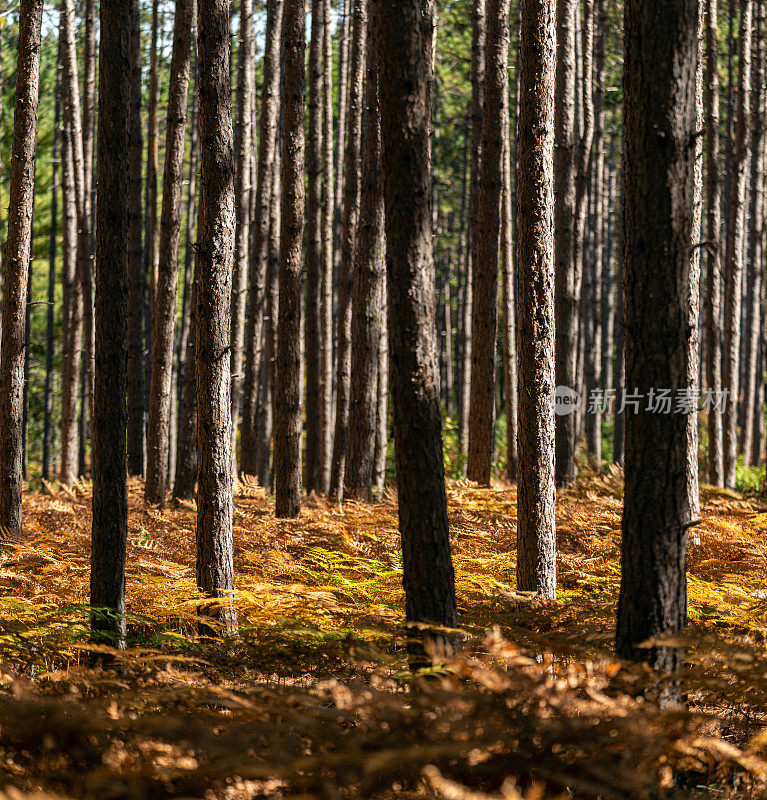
[[566, 298], [693, 298], [714, 249], [74, 123], [50, 310], [661, 44], [258, 323], [351, 213], [16, 262], [477, 106], [314, 262], [72, 319], [328, 212], [382, 398], [755, 239], [166, 290], [403, 45], [486, 233], [733, 303], [136, 275], [27, 340], [536, 537], [186, 455], [367, 295], [508, 295], [619, 432], [287, 421], [592, 320], [110, 502], [215, 567], [244, 138]]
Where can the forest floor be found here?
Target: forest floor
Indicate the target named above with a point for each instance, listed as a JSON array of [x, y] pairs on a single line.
[[314, 698]]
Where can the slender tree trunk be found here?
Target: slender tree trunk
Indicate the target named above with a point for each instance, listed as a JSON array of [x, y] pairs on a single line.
[[367, 296], [536, 537], [755, 239], [258, 323], [244, 138], [50, 310], [733, 304], [136, 276], [592, 320], [166, 290], [314, 241], [72, 320], [328, 211], [477, 107], [661, 44], [564, 220], [485, 232], [403, 45], [714, 249], [693, 299], [382, 399], [27, 340], [350, 225], [619, 432], [110, 503], [16, 262], [287, 421], [186, 455], [508, 295], [215, 567]]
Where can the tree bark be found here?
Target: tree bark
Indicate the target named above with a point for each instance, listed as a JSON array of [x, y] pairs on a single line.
[[754, 242], [536, 537], [485, 233], [403, 44], [136, 275], [477, 106], [382, 398], [659, 95], [351, 212], [258, 323], [314, 241], [50, 310], [736, 226], [287, 421], [328, 213], [564, 220], [166, 290], [367, 295], [110, 502], [244, 140], [186, 455], [215, 568], [16, 262]]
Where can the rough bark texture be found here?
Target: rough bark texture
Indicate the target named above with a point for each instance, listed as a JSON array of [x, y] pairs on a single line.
[[382, 386], [50, 311], [257, 324], [136, 277], [244, 139], [733, 297], [16, 263], [351, 213], [508, 297], [186, 455], [476, 114], [215, 568], [659, 95], [72, 320], [486, 233], [403, 43], [166, 291], [564, 214], [328, 211], [287, 421], [314, 263], [110, 502], [754, 244], [536, 538], [714, 246], [367, 295]]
